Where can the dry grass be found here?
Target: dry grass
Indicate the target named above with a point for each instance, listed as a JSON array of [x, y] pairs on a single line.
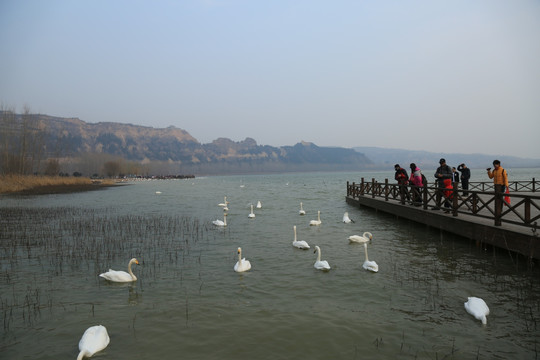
[[29, 183]]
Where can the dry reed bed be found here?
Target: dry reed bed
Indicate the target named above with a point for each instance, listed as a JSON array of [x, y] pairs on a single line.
[[38, 246], [20, 183]]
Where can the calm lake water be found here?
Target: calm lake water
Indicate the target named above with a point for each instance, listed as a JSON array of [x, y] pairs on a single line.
[[189, 303]]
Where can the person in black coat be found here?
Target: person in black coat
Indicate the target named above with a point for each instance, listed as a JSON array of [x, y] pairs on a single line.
[[402, 178], [455, 175], [444, 172], [465, 176]]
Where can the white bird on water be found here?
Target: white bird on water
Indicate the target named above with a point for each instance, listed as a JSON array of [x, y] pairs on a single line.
[[320, 264], [477, 308], [242, 264], [221, 222], [302, 212], [259, 205], [361, 238], [369, 265], [251, 214], [121, 276], [224, 203], [94, 339], [318, 221], [299, 244], [346, 218]]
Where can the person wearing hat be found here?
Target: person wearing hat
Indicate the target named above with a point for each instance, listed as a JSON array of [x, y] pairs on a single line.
[[442, 175], [402, 178]]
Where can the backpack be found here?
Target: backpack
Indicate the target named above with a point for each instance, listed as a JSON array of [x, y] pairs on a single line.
[[424, 180]]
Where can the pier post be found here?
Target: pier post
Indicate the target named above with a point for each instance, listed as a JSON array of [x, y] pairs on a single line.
[[455, 199], [498, 204], [425, 196]]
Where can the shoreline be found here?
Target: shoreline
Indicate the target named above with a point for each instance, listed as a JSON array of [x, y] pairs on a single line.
[[15, 185]]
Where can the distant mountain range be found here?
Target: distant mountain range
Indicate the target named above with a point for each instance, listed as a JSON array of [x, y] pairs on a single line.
[[174, 151], [387, 158]]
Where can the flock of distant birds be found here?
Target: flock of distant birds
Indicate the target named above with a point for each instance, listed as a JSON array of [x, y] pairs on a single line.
[[245, 265], [96, 338]]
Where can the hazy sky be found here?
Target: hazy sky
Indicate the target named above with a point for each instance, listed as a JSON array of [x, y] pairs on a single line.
[[451, 76]]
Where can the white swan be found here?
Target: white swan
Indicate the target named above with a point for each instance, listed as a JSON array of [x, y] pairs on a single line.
[[158, 192], [224, 203], [259, 205], [302, 212], [221, 222], [369, 265], [361, 239], [94, 339], [318, 221], [299, 244], [477, 308], [320, 264], [242, 264], [251, 214], [121, 276], [346, 218]]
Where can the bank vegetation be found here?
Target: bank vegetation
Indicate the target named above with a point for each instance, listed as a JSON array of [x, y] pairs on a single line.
[[35, 184]]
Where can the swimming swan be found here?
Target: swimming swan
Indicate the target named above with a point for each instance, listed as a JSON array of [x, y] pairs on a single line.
[[302, 212], [320, 264], [346, 218], [361, 239], [94, 339], [251, 214], [220, 222], [259, 205], [369, 265], [318, 221], [477, 308], [299, 244], [121, 276], [224, 203], [242, 264]]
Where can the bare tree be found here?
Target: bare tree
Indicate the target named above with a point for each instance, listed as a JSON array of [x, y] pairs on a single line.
[[111, 168], [7, 132], [52, 167]]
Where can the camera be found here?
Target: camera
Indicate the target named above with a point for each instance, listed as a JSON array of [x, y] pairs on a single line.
[[488, 169]]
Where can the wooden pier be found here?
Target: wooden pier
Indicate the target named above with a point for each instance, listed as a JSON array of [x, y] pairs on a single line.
[[480, 214]]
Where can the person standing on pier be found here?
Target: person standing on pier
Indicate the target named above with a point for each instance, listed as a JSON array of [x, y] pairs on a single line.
[[402, 178], [416, 181], [499, 176], [455, 175], [465, 176], [443, 173]]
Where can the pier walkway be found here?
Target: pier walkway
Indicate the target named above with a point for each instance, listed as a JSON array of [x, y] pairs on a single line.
[[481, 214]]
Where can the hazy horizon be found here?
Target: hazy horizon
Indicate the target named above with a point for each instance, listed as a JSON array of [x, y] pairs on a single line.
[[451, 77]]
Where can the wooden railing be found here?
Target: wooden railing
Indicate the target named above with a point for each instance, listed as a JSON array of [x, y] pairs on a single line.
[[514, 186], [522, 209]]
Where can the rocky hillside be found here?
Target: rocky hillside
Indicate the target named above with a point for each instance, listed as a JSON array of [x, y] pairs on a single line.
[[174, 150]]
